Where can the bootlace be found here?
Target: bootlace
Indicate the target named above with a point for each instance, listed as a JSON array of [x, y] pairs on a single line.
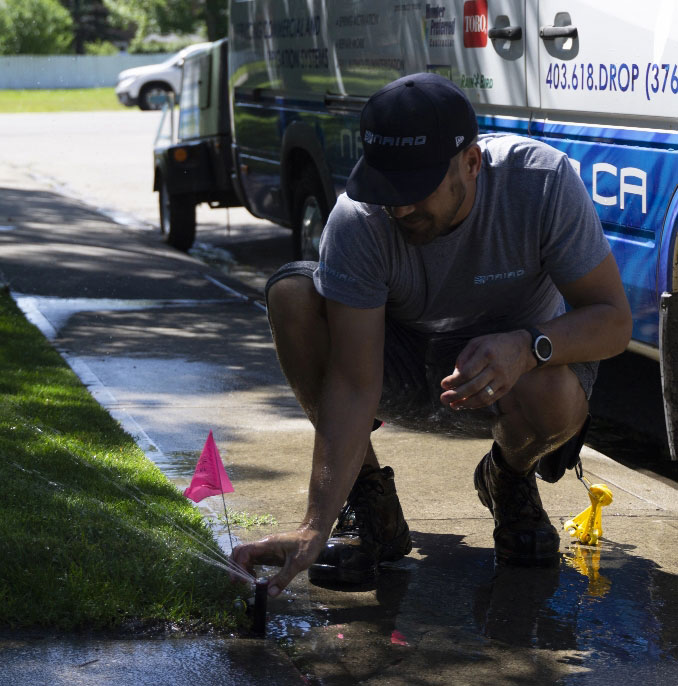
[[524, 500], [356, 515]]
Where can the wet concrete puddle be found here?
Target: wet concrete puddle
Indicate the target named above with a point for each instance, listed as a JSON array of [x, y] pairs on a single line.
[[602, 610]]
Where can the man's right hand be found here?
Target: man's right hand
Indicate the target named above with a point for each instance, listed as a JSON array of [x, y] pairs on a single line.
[[293, 551]]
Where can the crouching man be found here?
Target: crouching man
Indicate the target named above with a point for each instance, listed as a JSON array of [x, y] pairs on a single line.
[[438, 304]]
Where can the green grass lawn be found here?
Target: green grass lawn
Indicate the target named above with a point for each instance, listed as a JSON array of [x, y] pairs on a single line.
[[63, 100], [89, 533]]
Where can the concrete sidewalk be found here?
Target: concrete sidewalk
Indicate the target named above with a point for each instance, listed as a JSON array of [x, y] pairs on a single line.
[[173, 348]]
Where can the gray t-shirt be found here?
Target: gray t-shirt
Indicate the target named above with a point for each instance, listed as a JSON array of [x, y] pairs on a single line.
[[532, 227]]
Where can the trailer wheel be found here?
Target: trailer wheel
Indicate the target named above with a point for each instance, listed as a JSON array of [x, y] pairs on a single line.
[[177, 218], [163, 206], [311, 215]]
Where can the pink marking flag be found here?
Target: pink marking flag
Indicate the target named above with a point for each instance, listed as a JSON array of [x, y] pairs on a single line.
[[398, 639], [210, 477]]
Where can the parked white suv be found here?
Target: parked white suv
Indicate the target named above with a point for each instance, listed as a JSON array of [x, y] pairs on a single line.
[[141, 85]]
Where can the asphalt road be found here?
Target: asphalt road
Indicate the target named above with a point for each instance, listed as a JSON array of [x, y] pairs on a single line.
[[105, 159]]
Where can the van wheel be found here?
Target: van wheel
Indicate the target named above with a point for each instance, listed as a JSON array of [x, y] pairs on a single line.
[[311, 215], [177, 218], [153, 96]]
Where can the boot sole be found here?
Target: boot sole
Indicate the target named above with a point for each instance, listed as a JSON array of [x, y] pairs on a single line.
[[329, 574]]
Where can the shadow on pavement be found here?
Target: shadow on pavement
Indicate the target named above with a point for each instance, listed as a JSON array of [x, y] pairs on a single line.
[[76, 252], [452, 617]]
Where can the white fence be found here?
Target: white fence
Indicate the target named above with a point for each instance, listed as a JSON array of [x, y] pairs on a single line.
[[68, 71]]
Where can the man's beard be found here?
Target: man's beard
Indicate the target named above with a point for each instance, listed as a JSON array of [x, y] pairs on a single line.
[[421, 228]]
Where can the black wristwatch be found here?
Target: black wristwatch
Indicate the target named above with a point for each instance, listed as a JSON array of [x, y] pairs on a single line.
[[542, 348]]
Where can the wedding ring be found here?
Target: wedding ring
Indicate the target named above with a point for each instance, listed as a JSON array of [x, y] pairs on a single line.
[[489, 391]]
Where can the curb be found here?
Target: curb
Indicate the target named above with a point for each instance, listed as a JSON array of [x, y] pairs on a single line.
[[646, 488]]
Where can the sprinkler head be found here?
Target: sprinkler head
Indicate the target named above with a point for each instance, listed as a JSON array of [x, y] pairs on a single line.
[[239, 605], [260, 600]]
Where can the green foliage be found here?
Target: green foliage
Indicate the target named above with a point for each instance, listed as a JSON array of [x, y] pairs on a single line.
[[244, 520], [6, 38], [100, 47], [92, 534], [34, 27], [42, 27], [91, 25], [154, 16], [183, 17], [216, 19]]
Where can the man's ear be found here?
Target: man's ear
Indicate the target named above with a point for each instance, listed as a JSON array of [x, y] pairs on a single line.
[[472, 161]]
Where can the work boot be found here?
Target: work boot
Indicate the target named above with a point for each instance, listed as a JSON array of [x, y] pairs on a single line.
[[371, 529], [523, 534]]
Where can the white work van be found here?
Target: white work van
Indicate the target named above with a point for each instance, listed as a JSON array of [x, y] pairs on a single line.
[[596, 80]]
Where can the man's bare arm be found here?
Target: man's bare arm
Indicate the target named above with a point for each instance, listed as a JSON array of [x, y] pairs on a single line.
[[351, 391], [599, 324]]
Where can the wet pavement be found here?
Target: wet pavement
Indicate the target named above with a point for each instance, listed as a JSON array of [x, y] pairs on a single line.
[[174, 348], [75, 661]]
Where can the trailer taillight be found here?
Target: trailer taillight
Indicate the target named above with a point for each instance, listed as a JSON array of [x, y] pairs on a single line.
[[180, 154]]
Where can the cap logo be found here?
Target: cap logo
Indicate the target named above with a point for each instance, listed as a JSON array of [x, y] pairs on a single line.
[[394, 141], [459, 140]]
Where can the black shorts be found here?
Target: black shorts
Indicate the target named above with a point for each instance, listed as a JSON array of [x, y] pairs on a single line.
[[414, 364]]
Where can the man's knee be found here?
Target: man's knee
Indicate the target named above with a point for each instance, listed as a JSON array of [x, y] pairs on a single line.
[[550, 401], [293, 299]]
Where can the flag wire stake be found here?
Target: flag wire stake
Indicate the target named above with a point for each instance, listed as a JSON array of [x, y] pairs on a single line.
[[223, 500], [228, 526]]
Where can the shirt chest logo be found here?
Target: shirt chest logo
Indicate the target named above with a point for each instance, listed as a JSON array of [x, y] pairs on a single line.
[[482, 279]]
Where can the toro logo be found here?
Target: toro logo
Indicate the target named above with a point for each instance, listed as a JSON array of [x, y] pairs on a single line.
[[475, 23]]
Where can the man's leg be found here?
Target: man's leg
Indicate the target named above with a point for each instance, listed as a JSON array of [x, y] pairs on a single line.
[[545, 409], [371, 526]]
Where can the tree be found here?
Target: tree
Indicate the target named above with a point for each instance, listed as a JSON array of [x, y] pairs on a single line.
[[91, 24], [5, 31], [34, 27], [153, 16], [170, 16], [216, 18]]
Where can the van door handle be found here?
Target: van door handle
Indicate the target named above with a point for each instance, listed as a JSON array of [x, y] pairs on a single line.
[[551, 32], [508, 32]]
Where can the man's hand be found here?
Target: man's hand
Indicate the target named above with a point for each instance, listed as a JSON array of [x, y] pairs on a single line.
[[293, 551], [495, 360]]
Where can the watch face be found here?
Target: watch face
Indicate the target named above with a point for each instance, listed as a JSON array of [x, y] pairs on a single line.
[[543, 348]]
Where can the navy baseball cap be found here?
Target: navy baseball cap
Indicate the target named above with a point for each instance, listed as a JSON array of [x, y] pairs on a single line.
[[410, 130]]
